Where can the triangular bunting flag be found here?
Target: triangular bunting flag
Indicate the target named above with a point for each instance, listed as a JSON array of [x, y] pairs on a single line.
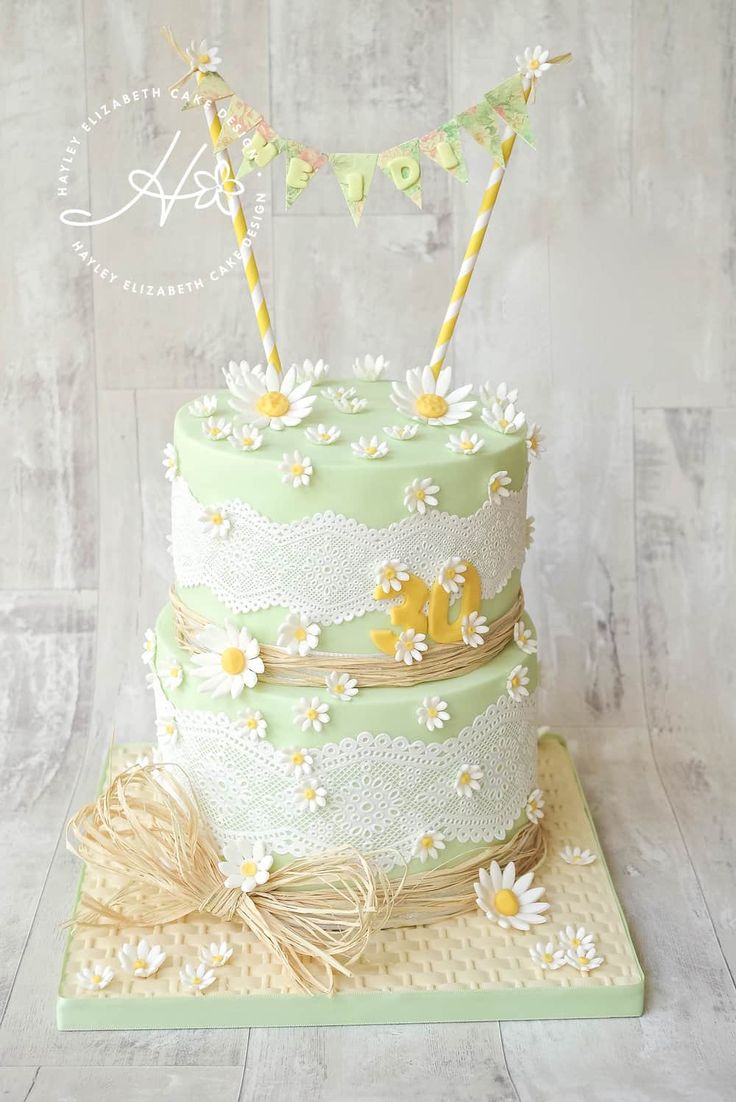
[[302, 165], [354, 173], [507, 100], [481, 122], [239, 121], [401, 165], [210, 87], [444, 147], [260, 149]]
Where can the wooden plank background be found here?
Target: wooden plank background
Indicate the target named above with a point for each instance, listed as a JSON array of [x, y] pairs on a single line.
[[606, 291]]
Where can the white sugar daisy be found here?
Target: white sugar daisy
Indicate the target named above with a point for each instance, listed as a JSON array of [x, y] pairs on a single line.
[[308, 372], [171, 673], [546, 957], [467, 781], [341, 685], [296, 469], [512, 903], [217, 428], [516, 683], [245, 865], [149, 646], [196, 980], [410, 646], [370, 448], [584, 960], [297, 762], [401, 432], [204, 58], [170, 462], [532, 63], [141, 959], [204, 406], [427, 845], [502, 394], [473, 627], [498, 486], [425, 398], [167, 732], [215, 955], [311, 715], [268, 398], [420, 495], [340, 393], [310, 795], [504, 418], [534, 439], [391, 575], [253, 723], [230, 660], [466, 443], [524, 639], [297, 635], [452, 575], [574, 855], [433, 713], [576, 937], [534, 806], [95, 978], [368, 369], [351, 405], [322, 434], [246, 438], [215, 522]]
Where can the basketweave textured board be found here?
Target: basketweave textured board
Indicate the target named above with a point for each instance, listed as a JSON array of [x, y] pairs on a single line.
[[467, 969]]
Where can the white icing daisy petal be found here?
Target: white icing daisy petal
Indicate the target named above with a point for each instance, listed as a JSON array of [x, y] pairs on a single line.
[[532, 63], [215, 955], [297, 635], [95, 978], [401, 432], [170, 462], [253, 723], [368, 369], [215, 522], [498, 486], [512, 903], [576, 937], [204, 406], [217, 428], [534, 439], [311, 715], [410, 647], [340, 393], [311, 795], [341, 685], [502, 394], [428, 844], [141, 959], [296, 469], [452, 575], [534, 806], [322, 434], [149, 646], [574, 855], [246, 438], [433, 713], [229, 662], [167, 732], [268, 398], [391, 575], [196, 979], [425, 398], [473, 627], [245, 865], [466, 443], [308, 372], [516, 683], [504, 418], [171, 674], [468, 779], [204, 58], [297, 762], [420, 495], [370, 448], [547, 957], [584, 960], [524, 639], [351, 405]]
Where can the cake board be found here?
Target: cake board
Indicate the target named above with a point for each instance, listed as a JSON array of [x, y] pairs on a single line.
[[466, 969]]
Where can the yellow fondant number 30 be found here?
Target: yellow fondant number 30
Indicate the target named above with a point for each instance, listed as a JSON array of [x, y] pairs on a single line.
[[409, 613]]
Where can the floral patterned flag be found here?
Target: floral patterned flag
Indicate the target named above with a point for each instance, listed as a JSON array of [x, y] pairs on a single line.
[[260, 149], [210, 87], [507, 100], [481, 122], [302, 165], [444, 147], [401, 164], [239, 121], [354, 173]]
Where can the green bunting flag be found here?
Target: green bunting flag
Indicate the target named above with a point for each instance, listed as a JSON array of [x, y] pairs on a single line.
[[443, 146], [354, 173], [238, 123], [401, 164], [507, 100], [260, 149], [302, 165], [210, 87], [481, 122]]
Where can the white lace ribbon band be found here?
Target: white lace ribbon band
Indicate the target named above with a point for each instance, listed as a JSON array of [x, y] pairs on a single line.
[[324, 566]]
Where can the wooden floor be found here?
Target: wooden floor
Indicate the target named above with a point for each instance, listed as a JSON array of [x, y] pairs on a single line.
[[606, 291]]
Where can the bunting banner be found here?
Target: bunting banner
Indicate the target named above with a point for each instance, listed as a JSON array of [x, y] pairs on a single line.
[[504, 105]]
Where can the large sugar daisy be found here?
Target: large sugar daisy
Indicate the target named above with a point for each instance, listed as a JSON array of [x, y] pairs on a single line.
[[268, 398], [425, 398], [513, 904], [231, 660]]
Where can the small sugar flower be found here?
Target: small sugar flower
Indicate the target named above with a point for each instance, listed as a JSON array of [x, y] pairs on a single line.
[[214, 955], [167, 732], [217, 428], [310, 796], [269, 398], [410, 646], [322, 434], [504, 417], [452, 575], [351, 405], [141, 959], [534, 806], [340, 393], [297, 762], [149, 646], [420, 495], [297, 635], [368, 369], [467, 443], [230, 660], [204, 58], [516, 683], [512, 903], [246, 438], [95, 978], [391, 575], [584, 960], [308, 372], [524, 639], [311, 714], [246, 866], [532, 63], [534, 439], [529, 538], [253, 723], [574, 855], [204, 406], [401, 432], [370, 448], [497, 487], [196, 980], [473, 627], [430, 399], [171, 674], [296, 469], [502, 394], [546, 957], [576, 937], [170, 462], [427, 845], [433, 713], [215, 523], [341, 685], [468, 780]]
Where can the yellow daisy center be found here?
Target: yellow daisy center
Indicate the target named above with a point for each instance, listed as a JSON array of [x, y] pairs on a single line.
[[426, 841], [297, 469], [309, 793], [251, 723], [389, 573], [532, 805], [464, 778], [495, 485], [432, 712], [97, 978], [140, 963], [197, 980], [576, 857], [300, 634], [248, 868], [575, 943], [516, 681], [506, 902], [547, 958], [371, 450], [534, 63], [431, 405], [247, 441], [450, 573], [232, 660], [338, 688], [216, 518], [466, 445], [174, 671], [582, 959], [297, 758], [312, 713], [273, 404], [217, 958], [503, 422], [420, 495], [203, 59], [324, 436], [169, 728]]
